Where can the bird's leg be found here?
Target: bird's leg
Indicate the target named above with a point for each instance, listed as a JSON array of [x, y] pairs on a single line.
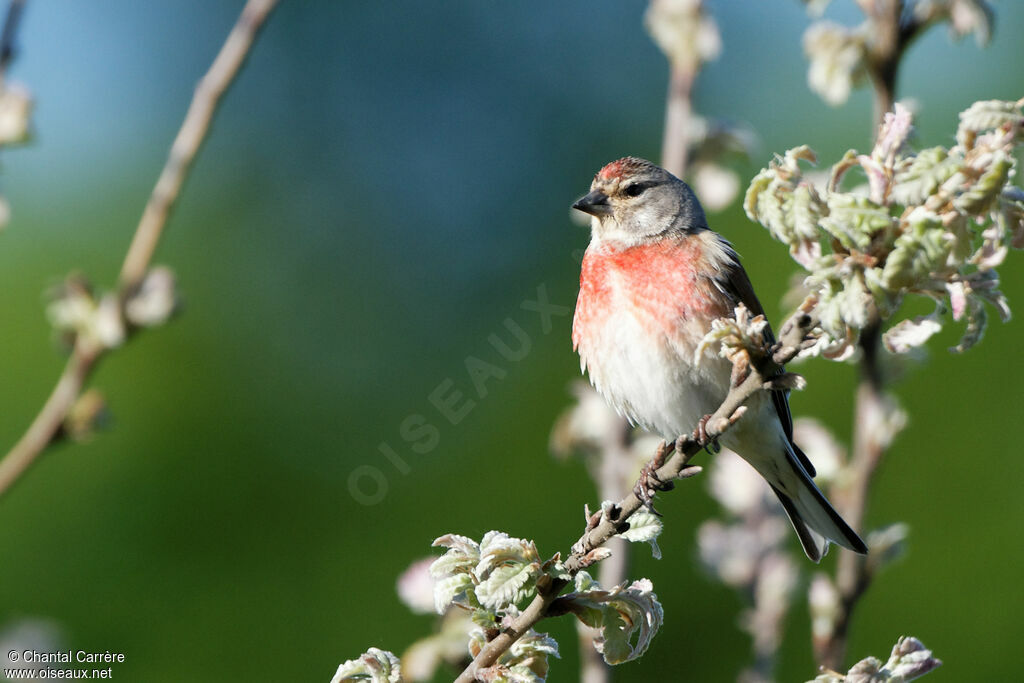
[[649, 484], [700, 434]]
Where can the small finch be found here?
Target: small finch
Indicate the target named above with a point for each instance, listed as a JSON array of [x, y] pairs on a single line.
[[653, 279]]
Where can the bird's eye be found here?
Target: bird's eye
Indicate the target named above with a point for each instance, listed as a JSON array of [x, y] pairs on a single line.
[[635, 190]]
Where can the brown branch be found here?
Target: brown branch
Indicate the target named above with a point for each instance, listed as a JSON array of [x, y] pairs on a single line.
[[191, 135], [884, 53], [791, 337], [678, 112], [612, 474], [892, 32], [46, 427]]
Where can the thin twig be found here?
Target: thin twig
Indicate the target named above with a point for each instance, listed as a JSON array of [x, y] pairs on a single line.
[[791, 335], [47, 424], [191, 135], [891, 32], [678, 112], [612, 473], [46, 427]]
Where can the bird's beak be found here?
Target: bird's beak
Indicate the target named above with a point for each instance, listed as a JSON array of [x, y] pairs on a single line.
[[595, 203]]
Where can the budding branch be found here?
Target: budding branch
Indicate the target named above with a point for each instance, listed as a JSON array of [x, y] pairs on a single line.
[[47, 426], [792, 336]]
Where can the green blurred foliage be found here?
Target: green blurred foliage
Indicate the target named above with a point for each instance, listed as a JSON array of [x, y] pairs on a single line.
[[386, 183]]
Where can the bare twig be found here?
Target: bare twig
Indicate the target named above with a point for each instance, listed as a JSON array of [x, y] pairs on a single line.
[[678, 112], [791, 335], [885, 51], [613, 471], [892, 33], [191, 135], [46, 427]]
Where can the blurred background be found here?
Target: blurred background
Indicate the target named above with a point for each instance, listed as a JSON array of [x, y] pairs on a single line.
[[385, 185]]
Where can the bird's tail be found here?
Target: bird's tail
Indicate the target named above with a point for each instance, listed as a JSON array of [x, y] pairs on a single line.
[[815, 520]]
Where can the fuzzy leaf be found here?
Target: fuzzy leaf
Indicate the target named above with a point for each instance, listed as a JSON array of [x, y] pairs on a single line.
[[1011, 216], [533, 644], [971, 16], [462, 556], [778, 200], [868, 670], [910, 659], [500, 673], [644, 527], [684, 31], [896, 127], [854, 220], [837, 56], [507, 585], [526, 661], [931, 167], [633, 612], [986, 115], [378, 666], [918, 252], [976, 199], [498, 548], [908, 334], [447, 589]]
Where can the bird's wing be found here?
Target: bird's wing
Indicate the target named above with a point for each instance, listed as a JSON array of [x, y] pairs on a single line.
[[735, 282]]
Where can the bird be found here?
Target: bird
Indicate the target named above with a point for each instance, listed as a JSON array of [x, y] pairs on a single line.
[[652, 280]]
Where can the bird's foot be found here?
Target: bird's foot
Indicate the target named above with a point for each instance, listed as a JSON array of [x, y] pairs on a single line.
[[648, 484], [700, 435]]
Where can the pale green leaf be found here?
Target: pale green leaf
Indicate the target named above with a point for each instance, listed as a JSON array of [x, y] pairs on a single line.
[[918, 252], [633, 616], [498, 548], [533, 644], [986, 115], [913, 184], [971, 17], [585, 582], [908, 334], [854, 220], [910, 659], [644, 527], [507, 585], [976, 199], [449, 588], [378, 666], [462, 556]]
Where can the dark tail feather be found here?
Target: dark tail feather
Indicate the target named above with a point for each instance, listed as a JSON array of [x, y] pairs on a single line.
[[815, 520], [815, 546]]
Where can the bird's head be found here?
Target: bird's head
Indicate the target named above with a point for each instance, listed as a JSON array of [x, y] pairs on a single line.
[[632, 201]]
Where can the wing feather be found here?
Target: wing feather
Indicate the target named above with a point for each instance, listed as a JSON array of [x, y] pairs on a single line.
[[734, 281]]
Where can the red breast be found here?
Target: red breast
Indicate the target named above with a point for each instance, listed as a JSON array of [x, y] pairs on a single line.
[[663, 284]]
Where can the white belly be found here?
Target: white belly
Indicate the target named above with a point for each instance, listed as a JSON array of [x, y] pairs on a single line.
[[652, 378]]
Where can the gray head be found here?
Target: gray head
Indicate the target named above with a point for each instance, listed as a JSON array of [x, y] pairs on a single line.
[[632, 201]]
